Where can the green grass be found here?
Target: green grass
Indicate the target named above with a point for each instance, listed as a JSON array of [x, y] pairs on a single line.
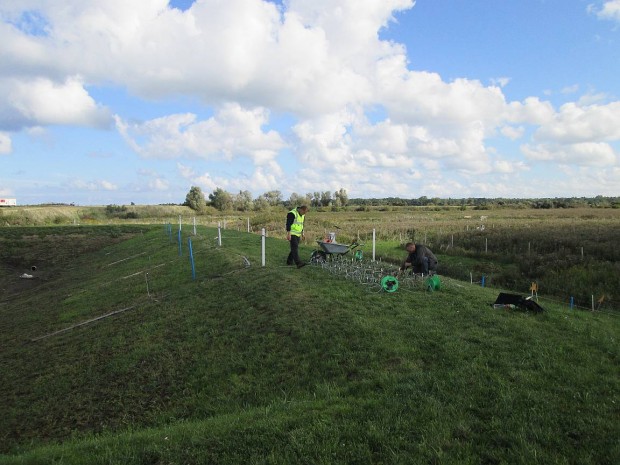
[[278, 365], [569, 252]]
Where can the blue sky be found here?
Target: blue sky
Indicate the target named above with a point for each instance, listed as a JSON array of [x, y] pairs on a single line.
[[119, 101]]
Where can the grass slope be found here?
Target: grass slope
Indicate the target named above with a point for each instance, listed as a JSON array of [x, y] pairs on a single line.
[[278, 365]]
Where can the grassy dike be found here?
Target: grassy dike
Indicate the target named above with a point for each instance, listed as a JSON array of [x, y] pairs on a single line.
[[276, 365]]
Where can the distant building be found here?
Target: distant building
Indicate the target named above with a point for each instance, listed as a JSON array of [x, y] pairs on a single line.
[[8, 202]]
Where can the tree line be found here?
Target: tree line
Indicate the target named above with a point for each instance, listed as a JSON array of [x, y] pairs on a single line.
[[222, 200], [482, 203], [243, 201]]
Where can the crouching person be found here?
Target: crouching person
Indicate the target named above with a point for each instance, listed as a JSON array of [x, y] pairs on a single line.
[[420, 258]]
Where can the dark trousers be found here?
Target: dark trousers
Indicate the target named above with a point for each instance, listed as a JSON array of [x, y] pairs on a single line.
[[425, 266], [293, 257]]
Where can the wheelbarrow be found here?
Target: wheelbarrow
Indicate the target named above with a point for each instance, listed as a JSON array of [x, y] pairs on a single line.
[[331, 249]]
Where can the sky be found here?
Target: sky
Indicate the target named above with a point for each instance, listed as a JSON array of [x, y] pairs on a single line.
[[120, 101]]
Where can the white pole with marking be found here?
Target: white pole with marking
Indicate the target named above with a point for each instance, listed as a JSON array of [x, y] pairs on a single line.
[[374, 238], [263, 247]]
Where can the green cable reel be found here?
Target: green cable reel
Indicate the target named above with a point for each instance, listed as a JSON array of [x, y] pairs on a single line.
[[433, 283], [389, 283]]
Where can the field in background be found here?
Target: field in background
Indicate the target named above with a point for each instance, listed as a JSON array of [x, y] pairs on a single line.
[[573, 254], [251, 364]]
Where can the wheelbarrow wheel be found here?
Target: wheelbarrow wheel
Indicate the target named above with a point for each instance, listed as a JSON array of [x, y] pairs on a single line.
[[318, 256]]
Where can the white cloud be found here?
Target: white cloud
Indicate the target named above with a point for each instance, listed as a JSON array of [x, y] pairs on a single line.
[[512, 132], [159, 184], [41, 101], [610, 10], [579, 181], [185, 171], [147, 173], [315, 57], [570, 89], [207, 183], [574, 123], [582, 154], [424, 98], [592, 99], [233, 132], [101, 185], [500, 82], [6, 145], [262, 179], [108, 186], [507, 167], [318, 63], [532, 111], [579, 132]]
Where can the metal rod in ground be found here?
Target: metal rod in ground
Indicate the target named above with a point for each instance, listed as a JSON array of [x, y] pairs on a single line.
[[146, 278], [180, 251], [191, 257]]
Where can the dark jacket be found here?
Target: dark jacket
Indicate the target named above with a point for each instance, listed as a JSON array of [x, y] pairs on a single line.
[[417, 258]]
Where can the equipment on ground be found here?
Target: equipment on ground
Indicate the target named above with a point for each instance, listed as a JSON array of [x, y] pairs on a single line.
[[329, 249], [389, 283], [505, 300]]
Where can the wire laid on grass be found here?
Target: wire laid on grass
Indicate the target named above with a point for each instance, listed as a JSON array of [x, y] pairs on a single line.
[[376, 276], [83, 323], [369, 274], [125, 259]]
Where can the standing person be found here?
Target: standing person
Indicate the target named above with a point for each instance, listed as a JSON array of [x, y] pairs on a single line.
[[294, 233], [420, 258]]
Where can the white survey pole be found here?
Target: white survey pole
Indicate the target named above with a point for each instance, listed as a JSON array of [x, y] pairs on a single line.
[[219, 234], [248, 224], [180, 222], [374, 237], [194, 225], [262, 247]]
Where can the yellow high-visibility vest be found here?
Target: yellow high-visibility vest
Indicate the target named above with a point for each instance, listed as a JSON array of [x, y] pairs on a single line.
[[298, 224]]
